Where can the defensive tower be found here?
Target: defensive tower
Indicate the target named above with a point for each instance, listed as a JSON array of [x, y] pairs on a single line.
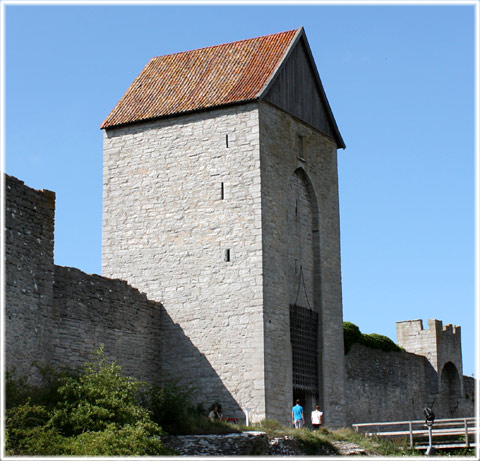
[[441, 345], [221, 202]]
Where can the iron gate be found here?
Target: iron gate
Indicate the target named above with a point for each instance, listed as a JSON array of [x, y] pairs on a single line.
[[304, 339]]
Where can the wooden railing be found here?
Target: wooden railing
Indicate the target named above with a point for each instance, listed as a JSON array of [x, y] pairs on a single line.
[[446, 433]]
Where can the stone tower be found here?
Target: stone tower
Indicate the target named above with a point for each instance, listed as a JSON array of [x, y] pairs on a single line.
[[441, 345], [221, 202]]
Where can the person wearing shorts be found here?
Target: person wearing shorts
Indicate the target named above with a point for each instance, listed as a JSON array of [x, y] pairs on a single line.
[[297, 415]]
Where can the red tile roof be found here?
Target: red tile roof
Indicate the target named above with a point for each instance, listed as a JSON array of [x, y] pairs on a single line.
[[200, 79]]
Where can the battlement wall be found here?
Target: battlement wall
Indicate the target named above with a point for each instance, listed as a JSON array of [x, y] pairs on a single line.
[[58, 315], [439, 343]]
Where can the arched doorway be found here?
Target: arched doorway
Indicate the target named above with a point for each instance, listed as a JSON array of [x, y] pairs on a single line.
[[450, 387], [303, 261]]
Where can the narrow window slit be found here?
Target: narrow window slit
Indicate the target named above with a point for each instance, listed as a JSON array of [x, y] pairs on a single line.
[[226, 140], [222, 190], [227, 255]]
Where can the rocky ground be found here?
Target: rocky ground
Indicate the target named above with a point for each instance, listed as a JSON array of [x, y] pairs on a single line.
[[250, 443]]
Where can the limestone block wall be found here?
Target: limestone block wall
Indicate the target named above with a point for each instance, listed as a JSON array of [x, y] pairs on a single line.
[[182, 222], [439, 343], [384, 386], [442, 346], [292, 152], [29, 275], [90, 310], [58, 315], [395, 386]]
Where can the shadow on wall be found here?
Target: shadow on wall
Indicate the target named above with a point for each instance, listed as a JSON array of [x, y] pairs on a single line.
[[91, 310], [181, 360]]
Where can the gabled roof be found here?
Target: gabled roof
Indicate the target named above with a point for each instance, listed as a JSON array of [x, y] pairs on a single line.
[[205, 78]]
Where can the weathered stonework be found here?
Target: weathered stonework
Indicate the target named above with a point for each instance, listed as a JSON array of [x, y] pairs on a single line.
[[29, 276], [301, 254], [90, 310], [58, 315], [177, 197], [442, 346], [398, 385], [166, 230]]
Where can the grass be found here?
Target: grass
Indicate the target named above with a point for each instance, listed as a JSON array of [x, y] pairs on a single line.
[[322, 442]]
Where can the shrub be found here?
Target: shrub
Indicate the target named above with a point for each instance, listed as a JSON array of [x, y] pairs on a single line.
[[352, 334], [28, 433], [99, 396], [380, 342], [170, 406], [92, 412], [128, 440]]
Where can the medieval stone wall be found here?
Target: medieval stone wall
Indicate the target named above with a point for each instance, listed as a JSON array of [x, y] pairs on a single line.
[[90, 310], [29, 275], [58, 315], [395, 386], [384, 386]]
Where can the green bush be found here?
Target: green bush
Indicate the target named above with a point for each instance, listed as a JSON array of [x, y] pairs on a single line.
[[352, 334], [171, 407], [380, 342], [99, 396], [128, 440], [92, 412]]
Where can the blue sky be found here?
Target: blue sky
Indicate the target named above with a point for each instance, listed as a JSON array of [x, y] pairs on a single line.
[[400, 81]]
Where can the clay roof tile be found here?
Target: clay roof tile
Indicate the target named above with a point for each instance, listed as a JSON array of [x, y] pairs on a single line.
[[201, 79]]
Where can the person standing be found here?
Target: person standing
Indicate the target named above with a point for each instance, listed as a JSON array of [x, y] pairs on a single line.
[[215, 413], [317, 418], [297, 415]]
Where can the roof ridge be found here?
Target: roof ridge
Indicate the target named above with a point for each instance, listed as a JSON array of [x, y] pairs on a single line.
[[203, 78], [227, 43]]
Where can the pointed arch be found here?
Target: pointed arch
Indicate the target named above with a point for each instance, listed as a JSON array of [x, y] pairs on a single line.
[[450, 386], [303, 241]]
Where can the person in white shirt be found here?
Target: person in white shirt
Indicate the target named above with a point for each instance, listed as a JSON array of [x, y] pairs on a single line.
[[317, 417]]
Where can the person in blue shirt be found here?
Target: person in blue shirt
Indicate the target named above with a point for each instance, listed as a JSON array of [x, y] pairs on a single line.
[[297, 415]]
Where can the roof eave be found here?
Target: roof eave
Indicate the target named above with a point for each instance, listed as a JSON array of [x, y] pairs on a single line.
[[178, 114]]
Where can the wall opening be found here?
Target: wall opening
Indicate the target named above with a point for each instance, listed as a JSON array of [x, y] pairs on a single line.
[[304, 342], [450, 387], [304, 289]]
